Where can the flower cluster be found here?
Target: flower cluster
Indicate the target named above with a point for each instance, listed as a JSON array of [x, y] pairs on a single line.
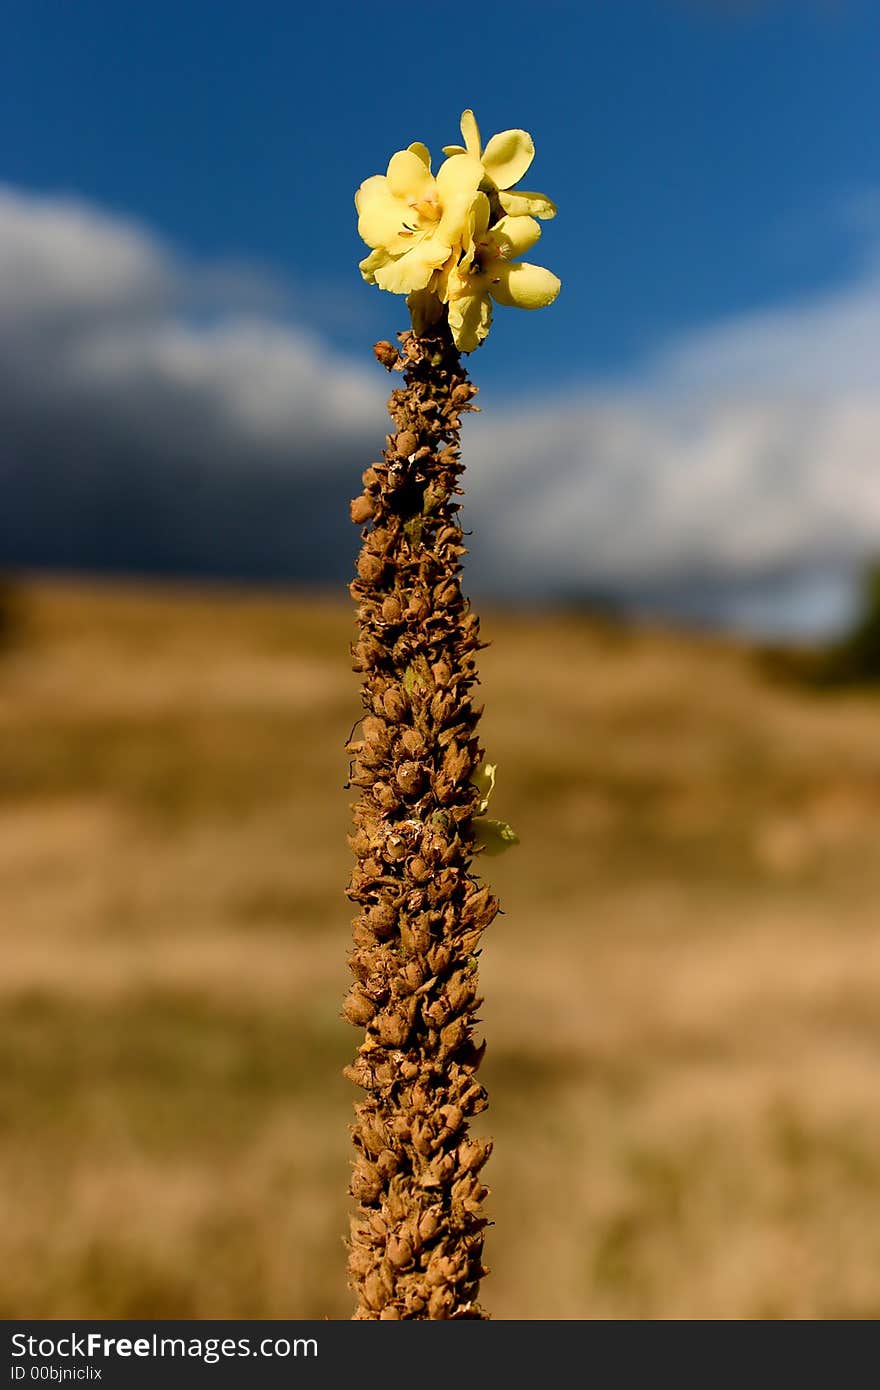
[[451, 240]]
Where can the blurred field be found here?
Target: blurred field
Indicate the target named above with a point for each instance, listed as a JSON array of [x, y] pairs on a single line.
[[681, 1000]]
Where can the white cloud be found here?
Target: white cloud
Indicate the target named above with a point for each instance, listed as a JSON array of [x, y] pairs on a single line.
[[135, 430], [743, 454], [61, 257], [156, 415], [93, 321], [828, 342]]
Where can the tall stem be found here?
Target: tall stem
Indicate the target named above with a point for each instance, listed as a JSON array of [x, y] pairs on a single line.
[[417, 1237]]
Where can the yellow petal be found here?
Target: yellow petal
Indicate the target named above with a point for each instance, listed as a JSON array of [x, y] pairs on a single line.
[[381, 216], [480, 213], [512, 236], [458, 179], [459, 279], [370, 264], [470, 319], [424, 309], [471, 241], [413, 270], [484, 781], [520, 204], [423, 153], [368, 188], [454, 149], [461, 173], [470, 133], [507, 156], [524, 286], [407, 176], [449, 279]]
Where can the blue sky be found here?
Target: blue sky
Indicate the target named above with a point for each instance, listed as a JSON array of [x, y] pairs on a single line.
[[186, 381], [706, 157]]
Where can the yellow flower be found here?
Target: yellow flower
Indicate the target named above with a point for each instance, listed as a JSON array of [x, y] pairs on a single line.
[[505, 159], [487, 272], [449, 242], [413, 221]]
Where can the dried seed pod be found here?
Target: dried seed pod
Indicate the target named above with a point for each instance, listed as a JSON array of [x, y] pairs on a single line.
[[457, 763], [445, 595], [460, 991], [371, 568], [421, 1098], [387, 1165], [443, 885], [453, 1118], [474, 1100], [386, 796], [413, 743], [392, 609], [419, 870], [359, 842], [374, 1291], [361, 509], [406, 443], [439, 1171], [435, 1011], [378, 1225], [441, 1270], [442, 706], [400, 1251], [439, 958], [371, 1139], [362, 934], [380, 540], [361, 1260], [453, 1035], [366, 1182], [415, 936], [441, 1304], [412, 974], [386, 353], [395, 704], [419, 608], [393, 1025], [422, 1137], [358, 1008], [475, 904], [359, 1073], [429, 1223], [472, 1154], [415, 901], [410, 778], [375, 732]]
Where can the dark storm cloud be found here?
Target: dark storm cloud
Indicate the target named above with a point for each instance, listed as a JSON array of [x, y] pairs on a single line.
[[130, 438]]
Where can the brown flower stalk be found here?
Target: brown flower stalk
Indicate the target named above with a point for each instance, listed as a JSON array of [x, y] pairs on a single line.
[[417, 1237]]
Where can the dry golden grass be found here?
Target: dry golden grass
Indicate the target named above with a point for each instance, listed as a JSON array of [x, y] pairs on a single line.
[[681, 1000]]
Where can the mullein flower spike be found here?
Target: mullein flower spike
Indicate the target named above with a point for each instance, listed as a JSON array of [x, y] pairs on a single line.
[[452, 241], [417, 1238], [449, 243]]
